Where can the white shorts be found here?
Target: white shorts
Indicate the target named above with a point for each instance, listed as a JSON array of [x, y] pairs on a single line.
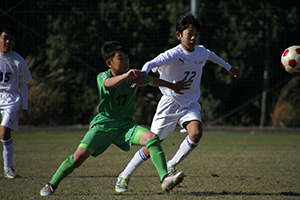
[[9, 109], [169, 113]]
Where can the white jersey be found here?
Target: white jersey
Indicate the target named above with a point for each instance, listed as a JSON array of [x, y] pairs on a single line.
[[14, 74], [13, 71], [177, 64]]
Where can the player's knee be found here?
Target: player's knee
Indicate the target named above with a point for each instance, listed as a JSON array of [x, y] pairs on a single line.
[[146, 152], [5, 133], [153, 141], [195, 134], [149, 135], [195, 137]]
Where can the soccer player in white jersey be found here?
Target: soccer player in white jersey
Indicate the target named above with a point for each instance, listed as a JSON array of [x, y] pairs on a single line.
[[185, 61], [14, 75]]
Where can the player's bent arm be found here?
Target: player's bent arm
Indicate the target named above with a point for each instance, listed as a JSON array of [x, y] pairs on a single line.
[[216, 59], [116, 80], [177, 87]]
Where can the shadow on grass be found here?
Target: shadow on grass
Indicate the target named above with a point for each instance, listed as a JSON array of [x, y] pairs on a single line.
[[243, 194]]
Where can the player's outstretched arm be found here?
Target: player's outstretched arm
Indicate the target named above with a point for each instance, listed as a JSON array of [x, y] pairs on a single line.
[[178, 87], [116, 80], [235, 71]]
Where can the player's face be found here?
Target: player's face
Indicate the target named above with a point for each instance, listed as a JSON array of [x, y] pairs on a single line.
[[188, 38], [120, 63], [7, 42]]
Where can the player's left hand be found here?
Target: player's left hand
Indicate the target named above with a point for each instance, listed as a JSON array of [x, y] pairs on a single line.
[[235, 71], [181, 85]]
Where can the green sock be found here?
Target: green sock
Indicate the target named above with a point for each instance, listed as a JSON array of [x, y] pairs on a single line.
[[66, 168], [157, 156]]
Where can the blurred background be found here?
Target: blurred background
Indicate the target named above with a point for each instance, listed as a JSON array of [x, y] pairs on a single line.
[[61, 41]]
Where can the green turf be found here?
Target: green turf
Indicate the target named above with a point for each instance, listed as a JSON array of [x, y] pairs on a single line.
[[224, 166]]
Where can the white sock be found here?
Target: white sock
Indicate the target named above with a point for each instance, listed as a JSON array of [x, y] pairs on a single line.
[[8, 150], [138, 159], [185, 148]]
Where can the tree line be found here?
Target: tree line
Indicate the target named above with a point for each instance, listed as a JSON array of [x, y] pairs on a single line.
[[61, 42]]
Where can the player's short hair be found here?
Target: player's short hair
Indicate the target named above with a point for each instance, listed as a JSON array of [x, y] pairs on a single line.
[[109, 49], [7, 29], [184, 21]]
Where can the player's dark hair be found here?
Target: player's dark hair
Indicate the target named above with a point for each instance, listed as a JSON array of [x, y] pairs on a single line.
[[7, 29], [109, 49], [184, 21]]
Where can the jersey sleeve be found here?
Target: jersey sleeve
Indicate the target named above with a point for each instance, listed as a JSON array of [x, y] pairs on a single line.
[[24, 72], [24, 95], [100, 83], [216, 59], [158, 61]]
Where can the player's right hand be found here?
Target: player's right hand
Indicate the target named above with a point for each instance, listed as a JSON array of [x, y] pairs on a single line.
[[181, 85], [141, 79]]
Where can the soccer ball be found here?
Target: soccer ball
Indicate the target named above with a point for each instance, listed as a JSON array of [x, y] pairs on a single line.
[[290, 60]]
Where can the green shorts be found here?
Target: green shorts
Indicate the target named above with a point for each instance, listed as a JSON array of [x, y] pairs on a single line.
[[121, 133]]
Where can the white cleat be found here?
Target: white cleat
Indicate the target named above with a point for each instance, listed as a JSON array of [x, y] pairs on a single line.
[[171, 181], [48, 190], [122, 185], [10, 173]]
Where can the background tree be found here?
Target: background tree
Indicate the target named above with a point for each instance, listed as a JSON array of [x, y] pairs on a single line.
[[61, 42]]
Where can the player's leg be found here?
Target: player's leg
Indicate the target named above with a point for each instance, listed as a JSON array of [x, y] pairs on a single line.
[[168, 182], [191, 121], [153, 148], [162, 126], [87, 147], [192, 140], [66, 168], [8, 150], [141, 156], [10, 120], [152, 142]]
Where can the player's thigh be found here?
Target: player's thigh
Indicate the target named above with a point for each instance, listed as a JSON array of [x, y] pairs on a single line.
[[190, 114], [96, 140], [141, 135], [166, 118]]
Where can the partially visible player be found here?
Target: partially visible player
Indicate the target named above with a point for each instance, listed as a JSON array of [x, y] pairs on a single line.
[[185, 61], [114, 123], [14, 75]]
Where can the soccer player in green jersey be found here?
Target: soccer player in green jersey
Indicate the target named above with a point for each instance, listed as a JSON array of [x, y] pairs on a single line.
[[114, 123]]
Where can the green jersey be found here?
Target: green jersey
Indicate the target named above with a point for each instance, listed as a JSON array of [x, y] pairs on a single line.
[[115, 103]]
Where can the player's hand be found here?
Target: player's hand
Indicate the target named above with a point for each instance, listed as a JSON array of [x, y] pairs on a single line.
[[141, 79], [181, 85], [133, 73], [235, 71]]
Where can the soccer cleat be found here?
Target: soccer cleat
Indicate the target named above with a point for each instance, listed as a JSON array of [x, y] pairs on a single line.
[[47, 190], [171, 170], [171, 181], [122, 185], [10, 173]]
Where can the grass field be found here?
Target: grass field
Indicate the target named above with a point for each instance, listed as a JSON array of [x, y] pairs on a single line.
[[232, 165]]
